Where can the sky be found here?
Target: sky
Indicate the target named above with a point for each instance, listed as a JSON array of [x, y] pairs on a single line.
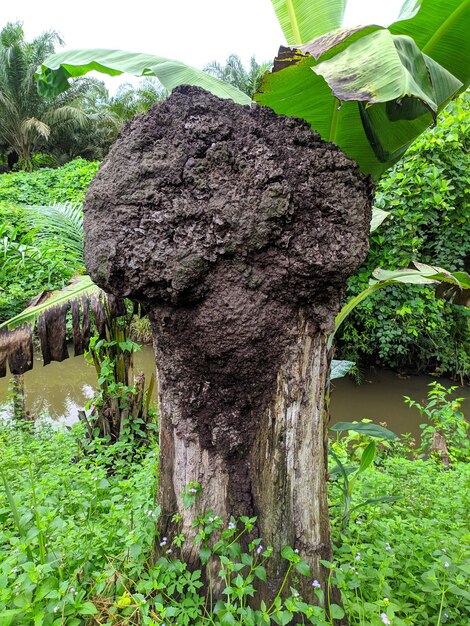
[[193, 32]]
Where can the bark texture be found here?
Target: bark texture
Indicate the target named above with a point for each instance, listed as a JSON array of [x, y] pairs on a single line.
[[237, 228]]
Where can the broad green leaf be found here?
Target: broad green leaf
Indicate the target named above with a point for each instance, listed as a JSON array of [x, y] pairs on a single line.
[[379, 68], [378, 216], [303, 20], [88, 608], [441, 30], [54, 74], [385, 92], [282, 617], [340, 368], [288, 553], [367, 457], [260, 572], [303, 568], [365, 428], [336, 611], [423, 274], [409, 9], [204, 554]]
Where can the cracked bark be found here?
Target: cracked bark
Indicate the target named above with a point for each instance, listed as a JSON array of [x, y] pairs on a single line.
[[237, 229]]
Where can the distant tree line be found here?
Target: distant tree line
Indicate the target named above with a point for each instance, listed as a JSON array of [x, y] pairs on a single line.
[[38, 131]]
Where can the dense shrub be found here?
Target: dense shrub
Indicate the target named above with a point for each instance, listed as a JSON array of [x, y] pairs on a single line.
[[46, 186], [428, 197]]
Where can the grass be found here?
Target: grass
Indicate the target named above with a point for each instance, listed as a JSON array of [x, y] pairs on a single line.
[[75, 540]]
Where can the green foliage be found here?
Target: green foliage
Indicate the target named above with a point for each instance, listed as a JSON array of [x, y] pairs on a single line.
[[409, 559], [131, 100], [349, 475], [234, 73], [389, 88], [443, 416], [30, 122], [75, 542], [121, 410], [48, 186], [29, 265], [428, 197], [65, 524]]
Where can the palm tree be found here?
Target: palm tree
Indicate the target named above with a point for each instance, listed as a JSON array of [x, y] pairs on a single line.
[[235, 73], [130, 101], [26, 118]]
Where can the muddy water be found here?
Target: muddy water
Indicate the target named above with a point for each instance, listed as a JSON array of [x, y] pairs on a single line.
[[61, 389]]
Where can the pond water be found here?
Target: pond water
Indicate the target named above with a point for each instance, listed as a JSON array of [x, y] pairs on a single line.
[[62, 389]]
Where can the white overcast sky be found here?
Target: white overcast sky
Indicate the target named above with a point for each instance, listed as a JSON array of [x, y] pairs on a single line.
[[193, 32]]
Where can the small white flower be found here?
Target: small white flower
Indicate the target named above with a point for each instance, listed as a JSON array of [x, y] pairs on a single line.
[[295, 594], [56, 608], [316, 584], [387, 546], [259, 549], [384, 618], [169, 551], [231, 526], [296, 551], [446, 564]]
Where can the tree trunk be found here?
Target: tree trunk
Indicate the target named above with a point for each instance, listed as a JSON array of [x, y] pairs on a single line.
[[275, 471], [237, 229]]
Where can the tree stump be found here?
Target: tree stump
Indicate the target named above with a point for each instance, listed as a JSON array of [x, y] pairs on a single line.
[[237, 228]]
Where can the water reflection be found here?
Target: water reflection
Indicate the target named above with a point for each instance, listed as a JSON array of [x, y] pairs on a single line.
[[62, 389]]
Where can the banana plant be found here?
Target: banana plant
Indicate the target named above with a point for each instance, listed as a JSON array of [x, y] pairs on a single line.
[[349, 474], [454, 286], [370, 89]]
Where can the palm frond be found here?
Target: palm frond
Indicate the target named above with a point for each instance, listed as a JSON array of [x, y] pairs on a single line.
[[38, 127], [61, 221]]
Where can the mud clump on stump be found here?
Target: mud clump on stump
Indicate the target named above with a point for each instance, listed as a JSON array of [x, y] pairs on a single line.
[[226, 221]]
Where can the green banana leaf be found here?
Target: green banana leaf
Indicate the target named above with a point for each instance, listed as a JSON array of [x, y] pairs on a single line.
[[441, 29], [340, 368], [302, 21], [54, 74], [364, 89], [370, 90]]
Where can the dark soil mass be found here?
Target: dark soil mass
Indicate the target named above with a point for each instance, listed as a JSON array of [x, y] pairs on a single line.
[[225, 221]]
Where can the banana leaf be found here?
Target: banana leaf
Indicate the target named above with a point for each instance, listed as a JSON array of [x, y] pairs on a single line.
[[54, 74], [302, 21], [364, 89], [453, 286]]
